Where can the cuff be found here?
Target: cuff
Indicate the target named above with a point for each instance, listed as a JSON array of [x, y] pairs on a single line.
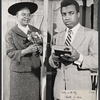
[[57, 64], [79, 61]]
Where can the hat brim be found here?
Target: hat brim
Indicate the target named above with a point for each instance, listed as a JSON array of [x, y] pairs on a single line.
[[18, 6]]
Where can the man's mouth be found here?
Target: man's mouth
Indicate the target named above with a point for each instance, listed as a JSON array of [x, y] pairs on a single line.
[[67, 23]]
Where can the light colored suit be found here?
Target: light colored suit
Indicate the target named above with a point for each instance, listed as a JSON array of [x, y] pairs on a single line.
[[86, 43]]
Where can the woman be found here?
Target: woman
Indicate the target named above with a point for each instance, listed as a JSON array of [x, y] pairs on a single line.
[[24, 53]]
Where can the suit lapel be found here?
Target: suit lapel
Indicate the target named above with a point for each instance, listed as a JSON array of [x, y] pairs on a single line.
[[62, 38], [18, 31], [79, 38]]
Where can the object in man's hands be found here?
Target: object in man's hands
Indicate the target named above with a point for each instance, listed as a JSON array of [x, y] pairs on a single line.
[[59, 49]]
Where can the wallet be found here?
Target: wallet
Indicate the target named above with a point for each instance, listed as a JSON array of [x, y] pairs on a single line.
[[59, 49]]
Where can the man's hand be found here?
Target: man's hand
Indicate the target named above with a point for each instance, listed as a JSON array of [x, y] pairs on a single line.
[[55, 58], [74, 56]]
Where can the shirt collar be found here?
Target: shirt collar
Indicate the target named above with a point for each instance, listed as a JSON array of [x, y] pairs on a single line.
[[24, 29], [75, 28]]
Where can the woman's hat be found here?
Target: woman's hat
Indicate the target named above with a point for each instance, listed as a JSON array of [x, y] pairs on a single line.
[[13, 9]]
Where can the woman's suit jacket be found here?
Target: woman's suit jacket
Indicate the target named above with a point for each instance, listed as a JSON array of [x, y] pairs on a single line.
[[16, 40], [86, 43]]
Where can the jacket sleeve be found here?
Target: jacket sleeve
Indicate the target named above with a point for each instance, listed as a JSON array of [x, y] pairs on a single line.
[[11, 50], [91, 61], [51, 62]]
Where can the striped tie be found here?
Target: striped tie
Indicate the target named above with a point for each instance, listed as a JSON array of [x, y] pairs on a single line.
[[69, 37]]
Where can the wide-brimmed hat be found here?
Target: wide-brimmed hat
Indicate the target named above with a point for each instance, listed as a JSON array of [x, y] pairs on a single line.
[[13, 9]]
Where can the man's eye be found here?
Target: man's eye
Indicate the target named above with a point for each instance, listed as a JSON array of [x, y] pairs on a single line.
[[71, 13]]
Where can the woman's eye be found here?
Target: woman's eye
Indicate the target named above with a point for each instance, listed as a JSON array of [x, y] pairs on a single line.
[[23, 14]]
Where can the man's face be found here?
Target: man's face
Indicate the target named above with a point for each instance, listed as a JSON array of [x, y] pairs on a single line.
[[23, 16], [70, 16]]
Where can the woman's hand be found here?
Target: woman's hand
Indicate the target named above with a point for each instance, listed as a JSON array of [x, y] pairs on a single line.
[[40, 49], [30, 49]]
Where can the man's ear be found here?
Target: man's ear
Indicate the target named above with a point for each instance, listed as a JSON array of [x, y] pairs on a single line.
[[78, 14]]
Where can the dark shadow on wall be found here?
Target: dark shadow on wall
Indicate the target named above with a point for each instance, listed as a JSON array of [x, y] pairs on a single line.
[[84, 12], [87, 15], [50, 71]]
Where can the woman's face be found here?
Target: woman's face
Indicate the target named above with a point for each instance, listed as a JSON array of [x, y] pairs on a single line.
[[23, 16]]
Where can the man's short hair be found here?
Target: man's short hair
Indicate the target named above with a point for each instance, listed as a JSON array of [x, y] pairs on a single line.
[[65, 3]]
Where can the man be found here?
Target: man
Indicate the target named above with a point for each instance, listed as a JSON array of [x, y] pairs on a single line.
[[73, 68], [24, 54]]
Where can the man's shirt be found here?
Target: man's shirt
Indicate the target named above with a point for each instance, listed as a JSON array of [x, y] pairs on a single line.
[[74, 31]]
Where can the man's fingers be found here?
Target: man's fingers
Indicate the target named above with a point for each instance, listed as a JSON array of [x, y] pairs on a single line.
[[67, 48], [54, 56], [65, 56]]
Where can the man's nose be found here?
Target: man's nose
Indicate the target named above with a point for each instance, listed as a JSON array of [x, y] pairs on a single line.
[[67, 16]]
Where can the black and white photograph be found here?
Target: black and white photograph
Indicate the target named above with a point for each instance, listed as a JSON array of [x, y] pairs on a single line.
[[50, 49], [74, 48], [23, 32]]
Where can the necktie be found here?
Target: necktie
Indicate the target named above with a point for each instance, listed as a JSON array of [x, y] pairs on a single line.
[[69, 37]]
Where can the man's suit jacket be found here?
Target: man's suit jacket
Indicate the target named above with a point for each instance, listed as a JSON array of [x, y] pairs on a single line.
[[16, 40], [86, 43]]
